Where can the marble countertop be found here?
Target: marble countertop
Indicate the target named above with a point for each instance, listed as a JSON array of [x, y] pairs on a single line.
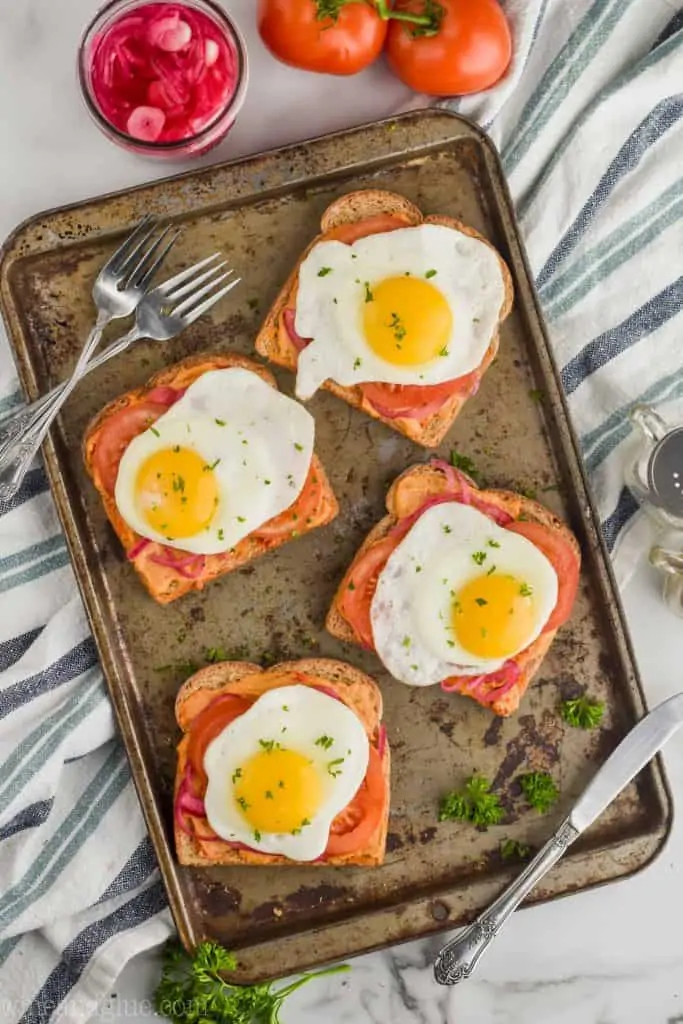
[[612, 956]]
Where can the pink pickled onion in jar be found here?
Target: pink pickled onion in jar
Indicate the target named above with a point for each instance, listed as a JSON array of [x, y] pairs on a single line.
[[163, 72]]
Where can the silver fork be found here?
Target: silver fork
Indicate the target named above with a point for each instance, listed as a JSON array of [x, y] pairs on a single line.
[[119, 286], [161, 314]]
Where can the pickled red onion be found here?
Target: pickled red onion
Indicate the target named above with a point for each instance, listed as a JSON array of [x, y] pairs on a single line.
[[137, 549], [288, 318], [181, 566]]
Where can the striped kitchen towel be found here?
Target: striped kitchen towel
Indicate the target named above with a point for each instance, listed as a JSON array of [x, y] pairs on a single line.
[[589, 122]]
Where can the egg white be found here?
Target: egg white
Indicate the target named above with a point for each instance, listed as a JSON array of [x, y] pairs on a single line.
[[310, 714], [329, 308], [411, 607], [260, 440]]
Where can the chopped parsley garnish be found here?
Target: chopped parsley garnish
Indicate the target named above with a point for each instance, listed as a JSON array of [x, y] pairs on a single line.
[[221, 534], [451, 643], [446, 528], [257, 835], [267, 483], [539, 789], [178, 483], [155, 431], [430, 273], [252, 303], [299, 447], [332, 768], [176, 448], [465, 464], [491, 571], [478, 557], [324, 271], [396, 325], [476, 320], [269, 746], [245, 441], [241, 519], [324, 741], [351, 586], [281, 784], [269, 795], [212, 466], [368, 294], [443, 351], [237, 774], [357, 363], [480, 601], [414, 668], [285, 707], [243, 803], [512, 849], [582, 713], [493, 543], [525, 590], [406, 641], [305, 822], [219, 423], [474, 803]]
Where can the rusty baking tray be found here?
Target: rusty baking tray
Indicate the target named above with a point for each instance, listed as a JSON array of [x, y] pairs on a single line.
[[261, 212]]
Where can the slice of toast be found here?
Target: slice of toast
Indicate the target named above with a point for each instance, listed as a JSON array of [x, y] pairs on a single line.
[[406, 495], [273, 341], [357, 690], [162, 581]]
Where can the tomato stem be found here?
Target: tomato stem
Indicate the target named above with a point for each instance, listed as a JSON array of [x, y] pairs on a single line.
[[389, 14]]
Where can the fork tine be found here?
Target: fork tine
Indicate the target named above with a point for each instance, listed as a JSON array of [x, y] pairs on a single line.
[[178, 293], [135, 276], [206, 306], [159, 260], [130, 260], [120, 256], [166, 287], [188, 303]]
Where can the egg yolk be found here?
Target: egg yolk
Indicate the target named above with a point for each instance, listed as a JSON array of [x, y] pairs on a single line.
[[278, 791], [494, 616], [177, 492], [407, 321]]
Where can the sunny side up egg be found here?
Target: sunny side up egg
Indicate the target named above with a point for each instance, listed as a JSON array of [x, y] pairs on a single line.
[[459, 596], [231, 454], [413, 306], [281, 772]]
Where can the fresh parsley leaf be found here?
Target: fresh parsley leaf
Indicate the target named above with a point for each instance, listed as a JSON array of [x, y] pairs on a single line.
[[214, 654], [474, 803], [465, 465], [539, 789], [582, 713], [512, 849]]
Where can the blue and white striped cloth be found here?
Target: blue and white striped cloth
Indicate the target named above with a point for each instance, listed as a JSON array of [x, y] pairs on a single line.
[[589, 122]]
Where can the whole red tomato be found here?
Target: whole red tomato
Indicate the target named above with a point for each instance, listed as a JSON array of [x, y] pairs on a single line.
[[338, 37], [467, 50]]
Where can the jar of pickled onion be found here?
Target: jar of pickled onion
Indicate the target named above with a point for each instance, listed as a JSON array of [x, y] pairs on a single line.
[[163, 79]]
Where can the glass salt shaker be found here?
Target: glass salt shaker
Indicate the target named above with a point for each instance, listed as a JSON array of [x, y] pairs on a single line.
[[655, 478]]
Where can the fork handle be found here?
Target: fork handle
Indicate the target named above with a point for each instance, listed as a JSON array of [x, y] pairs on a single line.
[[17, 454]]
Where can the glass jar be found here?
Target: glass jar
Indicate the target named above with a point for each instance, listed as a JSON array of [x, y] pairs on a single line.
[[164, 80]]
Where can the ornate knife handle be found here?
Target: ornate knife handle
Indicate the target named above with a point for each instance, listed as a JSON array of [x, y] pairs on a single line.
[[459, 957]]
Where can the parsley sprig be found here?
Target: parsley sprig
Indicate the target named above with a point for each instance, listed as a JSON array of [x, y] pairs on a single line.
[[582, 713], [474, 803], [193, 991], [539, 789]]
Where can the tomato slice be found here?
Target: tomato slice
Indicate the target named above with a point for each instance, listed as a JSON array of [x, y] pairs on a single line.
[[563, 560], [306, 507], [355, 825], [357, 597], [116, 434], [208, 724]]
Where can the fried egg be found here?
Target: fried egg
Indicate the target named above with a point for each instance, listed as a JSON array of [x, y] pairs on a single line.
[[281, 772], [231, 454], [413, 306], [459, 596]]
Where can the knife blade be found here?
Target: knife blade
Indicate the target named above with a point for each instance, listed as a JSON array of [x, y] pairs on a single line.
[[638, 747]]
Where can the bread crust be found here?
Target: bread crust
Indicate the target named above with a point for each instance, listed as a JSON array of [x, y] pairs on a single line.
[[356, 689], [272, 341], [167, 587], [405, 496]]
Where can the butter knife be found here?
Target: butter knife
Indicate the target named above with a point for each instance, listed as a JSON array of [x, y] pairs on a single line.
[[459, 957]]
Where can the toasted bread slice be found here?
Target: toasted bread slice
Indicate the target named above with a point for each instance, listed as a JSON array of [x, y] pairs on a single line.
[[273, 341], [163, 582], [243, 679], [406, 495]]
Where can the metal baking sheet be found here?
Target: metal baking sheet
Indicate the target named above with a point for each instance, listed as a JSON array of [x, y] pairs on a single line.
[[261, 212]]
